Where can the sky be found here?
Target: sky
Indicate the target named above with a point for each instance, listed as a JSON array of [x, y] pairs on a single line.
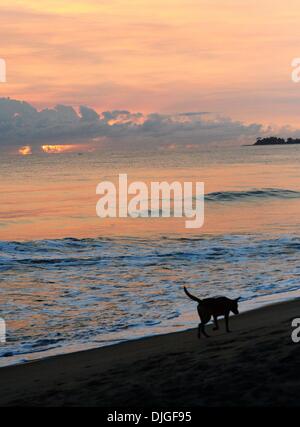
[[228, 57]]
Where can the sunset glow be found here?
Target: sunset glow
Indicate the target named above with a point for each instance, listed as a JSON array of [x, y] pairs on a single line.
[[157, 56], [58, 149], [25, 151]]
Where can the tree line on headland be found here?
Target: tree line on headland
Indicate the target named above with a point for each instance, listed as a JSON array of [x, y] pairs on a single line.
[[273, 140]]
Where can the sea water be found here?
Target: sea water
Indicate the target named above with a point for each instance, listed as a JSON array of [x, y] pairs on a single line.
[[70, 281]]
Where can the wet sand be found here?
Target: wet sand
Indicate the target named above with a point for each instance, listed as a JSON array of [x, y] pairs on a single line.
[[255, 365]]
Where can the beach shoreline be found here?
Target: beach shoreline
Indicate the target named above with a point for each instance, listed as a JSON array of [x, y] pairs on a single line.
[[255, 365], [185, 322]]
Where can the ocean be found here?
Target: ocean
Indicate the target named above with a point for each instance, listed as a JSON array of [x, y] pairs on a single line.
[[71, 281]]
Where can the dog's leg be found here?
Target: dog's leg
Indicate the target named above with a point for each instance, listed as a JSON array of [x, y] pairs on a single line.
[[199, 331], [227, 322], [216, 323], [205, 318], [203, 330]]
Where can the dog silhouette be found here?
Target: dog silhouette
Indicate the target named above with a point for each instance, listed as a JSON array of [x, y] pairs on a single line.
[[213, 307]]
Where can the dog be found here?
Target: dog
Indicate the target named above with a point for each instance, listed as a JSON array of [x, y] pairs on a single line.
[[214, 307]]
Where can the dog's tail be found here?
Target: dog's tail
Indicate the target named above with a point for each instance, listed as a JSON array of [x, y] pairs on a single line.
[[191, 296]]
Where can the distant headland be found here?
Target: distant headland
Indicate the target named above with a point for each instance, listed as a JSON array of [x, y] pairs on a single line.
[[273, 140]]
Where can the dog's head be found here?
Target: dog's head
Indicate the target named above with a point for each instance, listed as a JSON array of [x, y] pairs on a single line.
[[235, 306]]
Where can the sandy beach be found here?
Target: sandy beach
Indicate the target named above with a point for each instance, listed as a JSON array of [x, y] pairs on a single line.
[[255, 365]]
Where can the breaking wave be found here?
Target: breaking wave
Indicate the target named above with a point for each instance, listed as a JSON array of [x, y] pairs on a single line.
[[254, 194]]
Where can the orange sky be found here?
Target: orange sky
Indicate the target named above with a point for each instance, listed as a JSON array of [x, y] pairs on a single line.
[[227, 56]]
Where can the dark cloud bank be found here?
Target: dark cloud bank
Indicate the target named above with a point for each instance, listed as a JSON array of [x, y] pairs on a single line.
[[21, 124]]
